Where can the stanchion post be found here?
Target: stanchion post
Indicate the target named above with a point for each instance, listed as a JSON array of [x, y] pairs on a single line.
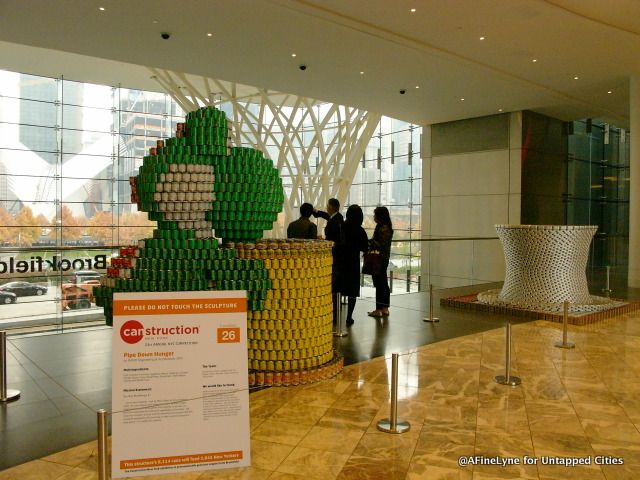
[[607, 289], [431, 318], [103, 450], [339, 331], [507, 378], [6, 395], [392, 424], [565, 325], [408, 281]]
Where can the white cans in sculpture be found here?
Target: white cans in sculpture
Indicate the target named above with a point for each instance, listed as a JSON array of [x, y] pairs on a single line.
[[545, 266]]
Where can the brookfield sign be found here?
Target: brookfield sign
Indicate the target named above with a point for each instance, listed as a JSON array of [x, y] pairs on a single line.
[[56, 264]]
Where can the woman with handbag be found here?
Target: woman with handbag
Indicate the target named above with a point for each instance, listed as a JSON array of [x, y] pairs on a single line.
[[381, 242], [354, 241]]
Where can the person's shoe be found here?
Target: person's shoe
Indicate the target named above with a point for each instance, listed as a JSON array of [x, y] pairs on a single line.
[[385, 312], [375, 313], [349, 322]]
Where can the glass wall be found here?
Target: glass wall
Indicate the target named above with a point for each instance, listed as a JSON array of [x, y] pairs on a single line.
[[390, 175], [67, 150], [598, 190]]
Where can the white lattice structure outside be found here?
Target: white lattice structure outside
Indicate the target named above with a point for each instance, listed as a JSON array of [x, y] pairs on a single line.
[[545, 266]]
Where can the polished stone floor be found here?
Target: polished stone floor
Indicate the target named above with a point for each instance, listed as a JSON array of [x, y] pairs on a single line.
[[572, 403], [65, 378], [579, 405]]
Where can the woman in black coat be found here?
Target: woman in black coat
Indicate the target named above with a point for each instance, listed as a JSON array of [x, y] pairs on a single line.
[[381, 242], [354, 241]]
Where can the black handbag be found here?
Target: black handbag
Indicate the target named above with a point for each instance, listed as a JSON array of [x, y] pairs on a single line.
[[372, 263]]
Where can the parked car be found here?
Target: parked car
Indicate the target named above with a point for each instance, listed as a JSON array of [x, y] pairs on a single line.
[[23, 289], [7, 297], [82, 276]]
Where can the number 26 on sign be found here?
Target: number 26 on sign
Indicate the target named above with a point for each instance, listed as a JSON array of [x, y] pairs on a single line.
[[228, 335]]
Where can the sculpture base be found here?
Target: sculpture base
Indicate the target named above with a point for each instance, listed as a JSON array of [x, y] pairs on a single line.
[[470, 302], [597, 304]]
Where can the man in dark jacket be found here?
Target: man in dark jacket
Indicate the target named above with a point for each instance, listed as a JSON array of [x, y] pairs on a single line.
[[303, 227], [333, 232], [333, 228]]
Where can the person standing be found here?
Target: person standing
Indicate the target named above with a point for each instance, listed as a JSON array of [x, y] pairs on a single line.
[[355, 241], [333, 232], [303, 227], [381, 241]]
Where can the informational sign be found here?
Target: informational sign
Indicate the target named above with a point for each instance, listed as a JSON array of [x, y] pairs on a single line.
[[180, 387]]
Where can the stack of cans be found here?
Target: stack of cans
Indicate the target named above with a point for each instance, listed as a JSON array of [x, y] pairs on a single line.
[[176, 185], [291, 340], [249, 195], [195, 182]]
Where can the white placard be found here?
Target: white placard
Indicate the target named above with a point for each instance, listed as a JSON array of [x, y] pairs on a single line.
[[180, 395]]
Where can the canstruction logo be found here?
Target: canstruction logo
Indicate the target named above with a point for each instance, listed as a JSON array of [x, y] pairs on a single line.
[[56, 264], [132, 331]]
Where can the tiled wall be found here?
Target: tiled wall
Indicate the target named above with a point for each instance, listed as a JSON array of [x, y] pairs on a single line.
[[471, 181]]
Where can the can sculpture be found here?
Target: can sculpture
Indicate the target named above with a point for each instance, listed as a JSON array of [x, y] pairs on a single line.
[[197, 182]]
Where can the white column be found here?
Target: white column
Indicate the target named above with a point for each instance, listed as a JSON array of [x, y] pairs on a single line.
[[425, 256], [634, 183]]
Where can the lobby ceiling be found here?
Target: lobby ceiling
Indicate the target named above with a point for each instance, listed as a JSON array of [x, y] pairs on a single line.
[[557, 57]]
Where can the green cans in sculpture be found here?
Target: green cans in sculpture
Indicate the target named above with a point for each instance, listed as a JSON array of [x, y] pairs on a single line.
[[248, 195], [189, 184]]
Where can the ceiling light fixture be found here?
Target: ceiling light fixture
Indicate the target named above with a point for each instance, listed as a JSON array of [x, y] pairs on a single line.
[[534, 60], [462, 99], [481, 38], [609, 91], [361, 73], [576, 77], [155, 21], [101, 9], [209, 34], [417, 86], [413, 10], [499, 109], [293, 55]]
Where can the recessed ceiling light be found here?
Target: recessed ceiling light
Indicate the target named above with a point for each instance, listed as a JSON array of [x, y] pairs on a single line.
[[576, 77], [481, 38], [361, 73], [499, 109], [413, 10], [417, 86], [534, 60], [462, 99], [293, 55], [101, 9], [209, 34], [610, 91]]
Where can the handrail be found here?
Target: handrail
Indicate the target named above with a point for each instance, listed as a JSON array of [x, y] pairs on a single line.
[[63, 248], [444, 239], [70, 248]]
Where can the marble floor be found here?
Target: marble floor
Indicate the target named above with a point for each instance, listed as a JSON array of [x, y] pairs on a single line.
[[579, 405]]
